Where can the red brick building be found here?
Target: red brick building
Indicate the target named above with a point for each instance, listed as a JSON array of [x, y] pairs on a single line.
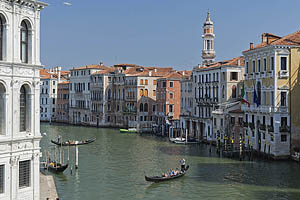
[[62, 102]]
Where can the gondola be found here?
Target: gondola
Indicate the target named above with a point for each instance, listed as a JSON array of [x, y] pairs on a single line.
[[73, 143], [162, 178], [57, 167]]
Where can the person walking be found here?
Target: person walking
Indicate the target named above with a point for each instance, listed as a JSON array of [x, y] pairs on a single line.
[[182, 162]]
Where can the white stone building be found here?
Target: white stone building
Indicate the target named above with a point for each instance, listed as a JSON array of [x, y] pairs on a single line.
[[19, 99]]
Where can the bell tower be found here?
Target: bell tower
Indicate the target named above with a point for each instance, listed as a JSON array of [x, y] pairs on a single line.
[[208, 52]]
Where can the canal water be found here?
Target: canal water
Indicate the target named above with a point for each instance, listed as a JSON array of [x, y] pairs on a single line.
[[114, 166]]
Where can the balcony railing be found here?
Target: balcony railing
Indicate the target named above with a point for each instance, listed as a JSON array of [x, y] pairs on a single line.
[[271, 128], [130, 110], [251, 125], [262, 127], [284, 129]]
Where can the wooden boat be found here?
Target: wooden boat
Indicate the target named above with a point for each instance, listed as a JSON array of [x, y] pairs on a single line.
[[57, 167], [130, 130], [73, 143], [162, 178]]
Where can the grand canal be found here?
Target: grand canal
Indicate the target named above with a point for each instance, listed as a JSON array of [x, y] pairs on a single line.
[[113, 167]]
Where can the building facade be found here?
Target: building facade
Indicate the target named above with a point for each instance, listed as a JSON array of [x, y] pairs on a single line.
[[272, 89], [208, 52], [62, 102], [19, 95]]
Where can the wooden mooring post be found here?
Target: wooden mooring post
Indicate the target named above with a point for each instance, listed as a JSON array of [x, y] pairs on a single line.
[[76, 157]]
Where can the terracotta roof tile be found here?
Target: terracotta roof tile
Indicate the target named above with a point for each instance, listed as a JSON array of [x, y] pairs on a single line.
[[233, 62], [91, 67]]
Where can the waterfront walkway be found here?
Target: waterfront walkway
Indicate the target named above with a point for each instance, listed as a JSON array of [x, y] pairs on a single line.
[[47, 187]]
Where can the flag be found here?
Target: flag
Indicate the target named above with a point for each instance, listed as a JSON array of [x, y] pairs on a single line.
[[255, 98], [244, 96]]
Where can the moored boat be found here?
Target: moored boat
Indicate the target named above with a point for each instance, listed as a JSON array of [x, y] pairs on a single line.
[[164, 178], [130, 130], [57, 167], [72, 142]]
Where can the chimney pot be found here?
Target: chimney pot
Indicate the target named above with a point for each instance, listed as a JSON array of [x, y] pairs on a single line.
[[251, 45]]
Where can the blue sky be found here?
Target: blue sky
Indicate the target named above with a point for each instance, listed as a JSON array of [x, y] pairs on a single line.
[[156, 32]]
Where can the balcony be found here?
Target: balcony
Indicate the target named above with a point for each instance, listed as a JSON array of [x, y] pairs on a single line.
[[130, 110], [283, 74], [284, 128], [270, 128], [262, 127], [251, 125]]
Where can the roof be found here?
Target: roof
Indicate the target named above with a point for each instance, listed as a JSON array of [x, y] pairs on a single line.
[[238, 61], [65, 82], [148, 71], [91, 67], [292, 39], [107, 71]]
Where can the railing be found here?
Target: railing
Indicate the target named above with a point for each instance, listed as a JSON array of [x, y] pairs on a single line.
[[262, 127], [130, 110], [271, 128], [284, 129], [251, 125]]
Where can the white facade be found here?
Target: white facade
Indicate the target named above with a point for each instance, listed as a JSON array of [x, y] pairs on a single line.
[[20, 95]]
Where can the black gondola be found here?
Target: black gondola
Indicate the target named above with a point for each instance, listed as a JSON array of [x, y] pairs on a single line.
[[57, 167], [162, 178], [73, 143]]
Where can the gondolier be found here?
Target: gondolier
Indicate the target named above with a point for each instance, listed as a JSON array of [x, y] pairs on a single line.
[[182, 162]]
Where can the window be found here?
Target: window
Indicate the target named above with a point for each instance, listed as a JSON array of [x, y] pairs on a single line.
[[24, 42], [283, 63], [272, 64], [53, 82], [2, 22], [2, 179], [283, 138], [145, 107], [23, 103], [2, 109], [171, 84], [154, 82], [233, 76], [222, 122], [232, 120], [146, 93], [154, 93], [253, 66], [153, 108], [265, 64], [258, 66], [24, 174], [233, 91], [272, 98], [283, 98], [247, 67], [141, 107], [53, 91], [171, 108], [171, 95], [283, 121], [53, 101], [141, 82], [146, 82]]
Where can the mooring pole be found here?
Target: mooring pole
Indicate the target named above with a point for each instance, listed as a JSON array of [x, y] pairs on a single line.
[[76, 157]]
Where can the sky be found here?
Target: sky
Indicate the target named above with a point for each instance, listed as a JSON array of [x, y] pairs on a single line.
[[162, 33]]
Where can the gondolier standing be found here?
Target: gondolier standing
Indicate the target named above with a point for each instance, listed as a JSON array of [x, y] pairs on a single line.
[[182, 162]]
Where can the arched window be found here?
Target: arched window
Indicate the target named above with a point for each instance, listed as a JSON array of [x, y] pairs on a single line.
[[2, 22], [141, 107], [109, 94], [146, 93], [259, 92], [25, 109], [146, 107], [2, 109], [234, 91], [141, 92], [24, 42]]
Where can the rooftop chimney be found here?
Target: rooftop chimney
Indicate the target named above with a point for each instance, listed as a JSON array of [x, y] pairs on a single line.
[[251, 45], [239, 62], [183, 73], [150, 73], [101, 63]]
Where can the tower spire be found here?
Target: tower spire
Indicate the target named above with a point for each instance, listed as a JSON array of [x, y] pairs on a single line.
[[208, 52]]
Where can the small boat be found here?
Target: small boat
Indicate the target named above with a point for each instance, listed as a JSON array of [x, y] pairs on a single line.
[[178, 139], [72, 142], [163, 178], [296, 156], [57, 167], [130, 130]]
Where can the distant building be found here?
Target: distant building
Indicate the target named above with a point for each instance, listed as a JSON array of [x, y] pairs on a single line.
[[50, 78], [208, 52], [19, 99], [62, 102]]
